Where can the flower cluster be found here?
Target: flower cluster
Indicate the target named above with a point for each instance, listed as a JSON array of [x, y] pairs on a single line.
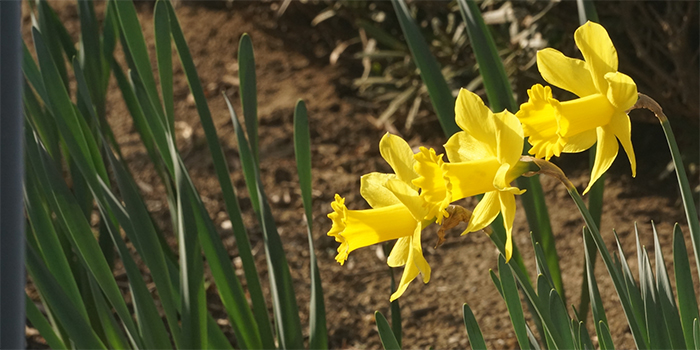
[[484, 158]]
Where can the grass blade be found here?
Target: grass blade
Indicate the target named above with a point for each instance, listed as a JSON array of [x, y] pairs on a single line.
[[318, 334], [687, 304], [385, 333], [476, 339], [440, 94]]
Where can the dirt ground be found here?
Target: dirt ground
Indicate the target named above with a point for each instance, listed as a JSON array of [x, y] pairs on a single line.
[[344, 147]]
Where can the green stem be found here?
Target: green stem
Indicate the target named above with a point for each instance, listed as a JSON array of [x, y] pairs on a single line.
[[691, 212]]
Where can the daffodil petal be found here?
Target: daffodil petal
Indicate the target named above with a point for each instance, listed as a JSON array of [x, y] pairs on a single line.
[[598, 51], [507, 201], [418, 257], [622, 91], [509, 137], [410, 273], [463, 147], [580, 142], [415, 264], [374, 192], [570, 74], [502, 181], [484, 212], [606, 151], [399, 155], [621, 126], [409, 198], [475, 118], [399, 254]]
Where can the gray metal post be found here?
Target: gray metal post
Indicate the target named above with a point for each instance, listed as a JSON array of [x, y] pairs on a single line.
[[12, 276]]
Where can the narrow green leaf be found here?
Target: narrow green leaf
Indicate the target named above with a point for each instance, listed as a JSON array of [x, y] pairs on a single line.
[[161, 24], [395, 307], [385, 334], [48, 241], [63, 110], [561, 320], [586, 11], [75, 325], [136, 44], [113, 334], [283, 298], [491, 67], [594, 294], [440, 94], [658, 339], [669, 310], [74, 223], [90, 54], [50, 28], [687, 305], [139, 228], [617, 278], [496, 282], [604, 338], [259, 306], [541, 261], [42, 325], [32, 74], [249, 93], [515, 310], [318, 335], [543, 289], [584, 339], [191, 274], [476, 339]]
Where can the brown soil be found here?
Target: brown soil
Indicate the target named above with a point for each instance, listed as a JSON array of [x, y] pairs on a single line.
[[344, 146]]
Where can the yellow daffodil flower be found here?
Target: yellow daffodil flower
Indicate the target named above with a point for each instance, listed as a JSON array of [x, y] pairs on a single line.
[[484, 159], [599, 114], [398, 212]]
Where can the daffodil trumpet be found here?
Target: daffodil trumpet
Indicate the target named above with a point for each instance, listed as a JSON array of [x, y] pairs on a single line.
[[599, 115]]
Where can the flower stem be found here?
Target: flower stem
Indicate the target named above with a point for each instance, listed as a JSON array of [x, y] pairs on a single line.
[[691, 212]]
